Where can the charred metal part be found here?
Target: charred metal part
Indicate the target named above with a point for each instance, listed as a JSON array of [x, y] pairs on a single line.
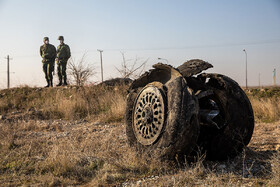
[[162, 73], [170, 110], [208, 116], [200, 94], [180, 127], [149, 115], [210, 111], [235, 120], [193, 67], [218, 79], [173, 72]]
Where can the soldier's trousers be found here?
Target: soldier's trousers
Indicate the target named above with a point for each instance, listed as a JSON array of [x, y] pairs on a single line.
[[48, 68], [61, 70]]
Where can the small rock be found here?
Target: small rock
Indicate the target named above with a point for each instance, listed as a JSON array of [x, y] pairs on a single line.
[[64, 134], [16, 112], [222, 166], [96, 123], [2, 117]]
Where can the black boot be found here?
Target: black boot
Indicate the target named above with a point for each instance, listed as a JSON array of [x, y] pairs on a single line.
[[65, 82], [51, 83], [60, 83], [48, 85]]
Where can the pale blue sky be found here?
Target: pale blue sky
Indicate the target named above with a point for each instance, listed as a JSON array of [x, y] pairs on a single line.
[[177, 30]]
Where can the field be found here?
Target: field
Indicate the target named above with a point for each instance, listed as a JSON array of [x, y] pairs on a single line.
[[76, 136]]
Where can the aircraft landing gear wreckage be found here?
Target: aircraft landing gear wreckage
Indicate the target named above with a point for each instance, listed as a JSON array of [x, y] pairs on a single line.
[[172, 112]]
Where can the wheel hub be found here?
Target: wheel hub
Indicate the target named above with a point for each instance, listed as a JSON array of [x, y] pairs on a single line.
[[148, 115]]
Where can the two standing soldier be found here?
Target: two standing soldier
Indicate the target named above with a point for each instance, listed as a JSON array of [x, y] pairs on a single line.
[[49, 54]]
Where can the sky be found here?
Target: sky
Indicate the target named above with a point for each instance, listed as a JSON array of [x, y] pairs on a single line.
[[216, 31]]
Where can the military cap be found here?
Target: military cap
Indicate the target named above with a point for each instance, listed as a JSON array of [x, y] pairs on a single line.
[[60, 38], [46, 38]]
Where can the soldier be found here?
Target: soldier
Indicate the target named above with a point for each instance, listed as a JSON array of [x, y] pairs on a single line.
[[48, 53], [63, 54]]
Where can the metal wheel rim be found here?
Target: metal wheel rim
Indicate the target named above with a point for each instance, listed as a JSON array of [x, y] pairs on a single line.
[[149, 115]]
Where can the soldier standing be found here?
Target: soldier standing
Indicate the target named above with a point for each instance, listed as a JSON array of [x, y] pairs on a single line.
[[63, 54], [48, 53]]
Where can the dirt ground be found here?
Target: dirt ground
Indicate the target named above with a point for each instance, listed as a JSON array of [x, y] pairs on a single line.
[[57, 152]]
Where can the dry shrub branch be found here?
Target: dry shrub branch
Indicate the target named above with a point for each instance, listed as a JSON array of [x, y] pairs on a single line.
[[79, 71], [131, 68]]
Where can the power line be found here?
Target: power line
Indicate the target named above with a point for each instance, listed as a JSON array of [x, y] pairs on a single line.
[[263, 42]]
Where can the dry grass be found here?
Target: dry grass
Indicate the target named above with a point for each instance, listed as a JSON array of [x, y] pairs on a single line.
[[89, 146], [266, 109], [104, 103], [275, 163], [265, 103], [44, 152], [66, 103], [40, 152]]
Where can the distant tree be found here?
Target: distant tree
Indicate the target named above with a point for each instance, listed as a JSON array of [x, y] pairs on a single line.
[[131, 68], [80, 71]]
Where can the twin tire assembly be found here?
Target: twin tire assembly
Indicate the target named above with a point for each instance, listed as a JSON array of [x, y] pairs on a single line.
[[176, 112]]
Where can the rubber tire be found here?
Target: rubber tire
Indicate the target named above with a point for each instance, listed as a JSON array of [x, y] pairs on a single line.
[[231, 139], [181, 129]]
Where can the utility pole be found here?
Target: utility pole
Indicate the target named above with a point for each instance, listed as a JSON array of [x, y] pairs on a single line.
[[246, 70], [101, 63], [8, 71], [274, 77]]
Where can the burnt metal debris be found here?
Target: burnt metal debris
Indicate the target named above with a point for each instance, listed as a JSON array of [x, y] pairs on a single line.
[[177, 112]]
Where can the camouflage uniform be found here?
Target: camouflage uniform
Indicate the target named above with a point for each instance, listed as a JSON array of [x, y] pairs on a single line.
[[63, 54], [48, 53]]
